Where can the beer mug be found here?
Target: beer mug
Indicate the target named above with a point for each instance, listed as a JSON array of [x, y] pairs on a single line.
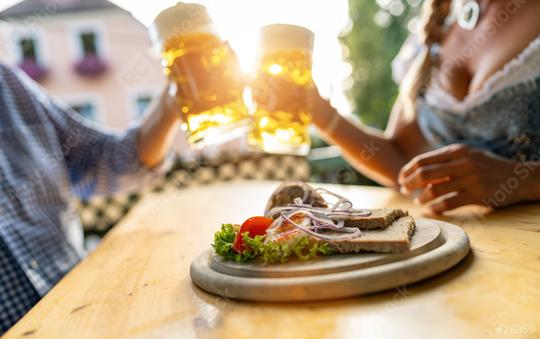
[[206, 72], [282, 109]]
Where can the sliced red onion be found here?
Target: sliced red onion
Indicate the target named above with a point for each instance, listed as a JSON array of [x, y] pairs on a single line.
[[321, 224], [276, 223], [352, 230], [347, 215], [331, 228], [317, 225], [341, 200], [338, 224], [324, 212], [319, 235], [329, 218], [277, 210], [324, 190]]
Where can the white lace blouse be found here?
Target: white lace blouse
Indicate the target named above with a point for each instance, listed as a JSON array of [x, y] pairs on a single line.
[[502, 117], [524, 67]]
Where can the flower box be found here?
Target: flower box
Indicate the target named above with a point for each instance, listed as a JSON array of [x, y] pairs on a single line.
[[33, 69], [91, 66]]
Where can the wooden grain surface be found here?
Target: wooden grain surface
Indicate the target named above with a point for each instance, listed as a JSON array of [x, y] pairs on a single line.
[[136, 284]]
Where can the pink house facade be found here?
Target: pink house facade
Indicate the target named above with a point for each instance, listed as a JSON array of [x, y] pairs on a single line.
[[91, 54]]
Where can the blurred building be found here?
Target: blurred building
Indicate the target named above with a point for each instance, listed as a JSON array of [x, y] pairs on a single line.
[[91, 54]]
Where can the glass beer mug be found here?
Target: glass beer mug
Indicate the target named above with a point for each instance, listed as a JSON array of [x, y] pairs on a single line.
[[282, 108], [206, 72]]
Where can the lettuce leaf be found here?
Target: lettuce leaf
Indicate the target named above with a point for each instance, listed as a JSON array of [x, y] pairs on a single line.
[[223, 242], [271, 252], [267, 252]]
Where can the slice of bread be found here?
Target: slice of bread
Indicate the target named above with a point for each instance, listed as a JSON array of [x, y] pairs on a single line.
[[393, 239], [379, 219]]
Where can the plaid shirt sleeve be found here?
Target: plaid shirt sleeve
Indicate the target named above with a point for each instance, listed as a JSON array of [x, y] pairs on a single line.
[[100, 162], [47, 152]]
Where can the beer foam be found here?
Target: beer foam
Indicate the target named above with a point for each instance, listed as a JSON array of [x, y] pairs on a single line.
[[281, 37], [181, 19]]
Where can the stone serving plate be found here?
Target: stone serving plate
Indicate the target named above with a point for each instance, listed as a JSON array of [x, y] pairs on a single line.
[[435, 247]]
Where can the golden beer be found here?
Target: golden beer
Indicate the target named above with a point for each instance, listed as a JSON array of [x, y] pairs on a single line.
[[206, 73], [282, 115]]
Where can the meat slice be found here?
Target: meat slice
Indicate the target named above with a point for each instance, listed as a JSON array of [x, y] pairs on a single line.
[[282, 231]]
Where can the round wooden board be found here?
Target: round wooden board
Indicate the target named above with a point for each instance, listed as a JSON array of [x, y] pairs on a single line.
[[435, 247]]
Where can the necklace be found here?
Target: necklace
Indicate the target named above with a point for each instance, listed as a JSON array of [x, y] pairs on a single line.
[[468, 15]]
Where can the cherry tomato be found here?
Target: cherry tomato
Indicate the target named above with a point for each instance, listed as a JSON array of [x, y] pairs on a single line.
[[254, 226]]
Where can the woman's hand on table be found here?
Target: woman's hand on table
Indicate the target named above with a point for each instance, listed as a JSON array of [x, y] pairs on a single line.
[[457, 175]]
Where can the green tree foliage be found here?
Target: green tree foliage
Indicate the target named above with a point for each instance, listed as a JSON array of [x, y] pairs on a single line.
[[378, 31]]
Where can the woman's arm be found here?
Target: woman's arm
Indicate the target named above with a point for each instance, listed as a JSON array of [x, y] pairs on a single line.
[[379, 155]]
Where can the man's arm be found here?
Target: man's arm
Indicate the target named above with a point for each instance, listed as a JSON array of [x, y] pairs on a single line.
[[158, 130], [101, 162]]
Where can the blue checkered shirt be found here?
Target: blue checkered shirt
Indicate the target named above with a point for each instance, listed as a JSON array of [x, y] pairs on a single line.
[[49, 155]]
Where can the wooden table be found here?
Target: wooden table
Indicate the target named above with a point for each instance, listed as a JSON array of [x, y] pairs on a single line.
[[136, 284]]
